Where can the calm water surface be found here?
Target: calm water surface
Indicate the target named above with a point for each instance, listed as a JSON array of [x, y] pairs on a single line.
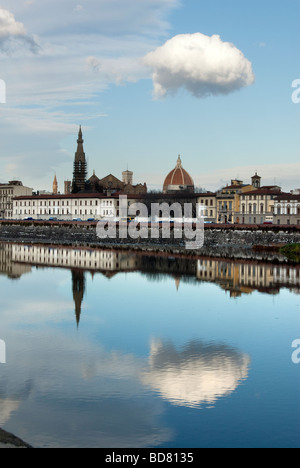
[[111, 350]]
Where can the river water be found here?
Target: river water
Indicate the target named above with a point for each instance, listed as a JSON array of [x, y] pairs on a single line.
[[115, 349]]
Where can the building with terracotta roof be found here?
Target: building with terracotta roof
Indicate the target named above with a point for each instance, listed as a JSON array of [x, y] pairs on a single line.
[[258, 206], [178, 180], [228, 201], [287, 209], [78, 206]]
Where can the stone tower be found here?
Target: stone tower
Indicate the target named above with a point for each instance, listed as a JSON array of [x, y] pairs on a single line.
[[80, 166], [55, 186], [127, 177], [68, 187], [256, 181]]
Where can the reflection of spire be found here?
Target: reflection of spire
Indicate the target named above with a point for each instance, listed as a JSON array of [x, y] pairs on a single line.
[[78, 285], [177, 282]]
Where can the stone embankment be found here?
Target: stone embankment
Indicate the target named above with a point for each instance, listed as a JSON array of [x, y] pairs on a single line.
[[228, 242], [9, 441]]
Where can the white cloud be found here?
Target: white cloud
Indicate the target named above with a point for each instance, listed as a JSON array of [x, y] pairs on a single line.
[[201, 64], [13, 34], [89, 45]]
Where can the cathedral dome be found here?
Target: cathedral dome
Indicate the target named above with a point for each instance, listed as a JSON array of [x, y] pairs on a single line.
[[178, 180]]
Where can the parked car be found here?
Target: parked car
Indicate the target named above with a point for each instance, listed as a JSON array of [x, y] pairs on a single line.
[[28, 219], [77, 219], [90, 220], [52, 219]]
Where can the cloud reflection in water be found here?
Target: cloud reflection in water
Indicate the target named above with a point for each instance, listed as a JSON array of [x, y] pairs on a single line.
[[198, 374]]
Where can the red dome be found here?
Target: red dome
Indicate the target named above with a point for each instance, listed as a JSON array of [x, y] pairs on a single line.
[[178, 178]]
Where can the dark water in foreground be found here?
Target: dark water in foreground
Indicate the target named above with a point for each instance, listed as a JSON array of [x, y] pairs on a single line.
[[109, 349]]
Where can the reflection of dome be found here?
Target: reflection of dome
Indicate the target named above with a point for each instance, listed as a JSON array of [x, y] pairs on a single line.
[[197, 374], [178, 179]]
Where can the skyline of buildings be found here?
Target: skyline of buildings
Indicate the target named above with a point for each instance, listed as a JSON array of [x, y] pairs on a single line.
[[93, 198]]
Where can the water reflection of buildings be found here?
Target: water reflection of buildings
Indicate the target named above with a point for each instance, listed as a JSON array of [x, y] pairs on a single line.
[[12, 269], [245, 277], [237, 277]]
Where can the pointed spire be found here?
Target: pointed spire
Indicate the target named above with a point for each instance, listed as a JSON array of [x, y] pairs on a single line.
[[80, 140], [80, 166], [179, 162], [55, 186]]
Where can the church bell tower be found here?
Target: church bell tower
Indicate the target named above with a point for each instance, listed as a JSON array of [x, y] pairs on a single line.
[[80, 166]]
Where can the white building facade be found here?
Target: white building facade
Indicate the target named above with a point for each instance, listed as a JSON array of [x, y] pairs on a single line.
[[68, 207], [287, 209]]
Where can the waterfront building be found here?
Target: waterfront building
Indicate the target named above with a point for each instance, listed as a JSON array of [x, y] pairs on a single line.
[[8, 191], [83, 206], [208, 202], [257, 206], [228, 201], [287, 209]]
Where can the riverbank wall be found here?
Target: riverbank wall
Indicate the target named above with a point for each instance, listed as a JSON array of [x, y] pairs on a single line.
[[221, 241]]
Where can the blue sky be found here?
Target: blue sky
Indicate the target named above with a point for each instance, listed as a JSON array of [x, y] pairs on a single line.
[[94, 64]]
